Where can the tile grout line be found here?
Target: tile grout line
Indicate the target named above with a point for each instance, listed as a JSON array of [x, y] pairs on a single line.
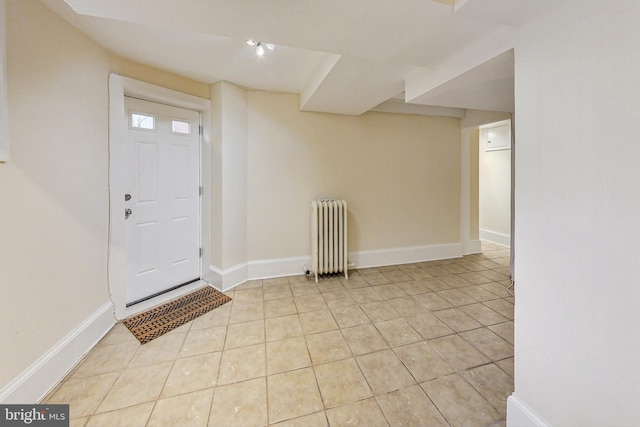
[[371, 283]]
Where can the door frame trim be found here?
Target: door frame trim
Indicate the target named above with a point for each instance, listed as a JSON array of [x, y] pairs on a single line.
[[119, 87]]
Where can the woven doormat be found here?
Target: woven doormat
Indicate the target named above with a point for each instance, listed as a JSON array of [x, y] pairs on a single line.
[[166, 317]]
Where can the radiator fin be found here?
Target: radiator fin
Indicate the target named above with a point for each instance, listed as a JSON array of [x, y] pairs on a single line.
[[329, 237]]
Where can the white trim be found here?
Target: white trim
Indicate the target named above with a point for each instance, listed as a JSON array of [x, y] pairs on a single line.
[[280, 267], [521, 415], [120, 86], [495, 237], [230, 277], [225, 279], [215, 277], [407, 255], [474, 247], [39, 378], [211, 276], [504, 122]]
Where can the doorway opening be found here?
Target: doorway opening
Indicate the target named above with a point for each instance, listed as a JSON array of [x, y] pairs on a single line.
[[477, 123], [494, 183], [119, 88]]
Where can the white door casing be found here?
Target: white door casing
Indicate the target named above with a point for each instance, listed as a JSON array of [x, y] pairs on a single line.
[[162, 176]]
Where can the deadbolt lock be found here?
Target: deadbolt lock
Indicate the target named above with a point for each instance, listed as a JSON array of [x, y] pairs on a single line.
[[127, 197]]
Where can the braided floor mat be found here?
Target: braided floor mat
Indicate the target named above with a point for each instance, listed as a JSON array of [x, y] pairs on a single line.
[[158, 321]]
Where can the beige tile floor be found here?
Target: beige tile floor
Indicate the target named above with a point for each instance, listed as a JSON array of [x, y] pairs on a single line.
[[426, 344]]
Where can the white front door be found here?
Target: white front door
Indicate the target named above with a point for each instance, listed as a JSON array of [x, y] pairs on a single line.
[[162, 226]]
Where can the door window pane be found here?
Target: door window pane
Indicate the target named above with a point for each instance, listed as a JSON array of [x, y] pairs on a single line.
[[142, 121], [178, 126]]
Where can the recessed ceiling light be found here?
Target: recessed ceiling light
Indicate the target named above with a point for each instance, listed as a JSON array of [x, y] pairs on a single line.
[[260, 46]]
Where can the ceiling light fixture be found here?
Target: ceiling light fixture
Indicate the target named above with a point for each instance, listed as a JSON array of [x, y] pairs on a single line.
[[260, 46]]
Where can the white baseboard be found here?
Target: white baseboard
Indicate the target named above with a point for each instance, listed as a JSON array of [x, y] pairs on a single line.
[[213, 276], [407, 255], [473, 247], [520, 415], [495, 237], [35, 382], [265, 268], [225, 279]]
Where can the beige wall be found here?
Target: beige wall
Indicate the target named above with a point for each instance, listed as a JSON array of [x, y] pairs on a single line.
[[215, 182], [53, 192], [135, 70], [400, 175], [229, 175]]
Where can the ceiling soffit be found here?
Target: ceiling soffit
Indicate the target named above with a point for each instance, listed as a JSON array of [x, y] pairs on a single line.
[[342, 57]]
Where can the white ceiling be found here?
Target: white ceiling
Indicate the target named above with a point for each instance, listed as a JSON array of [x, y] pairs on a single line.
[[344, 57]]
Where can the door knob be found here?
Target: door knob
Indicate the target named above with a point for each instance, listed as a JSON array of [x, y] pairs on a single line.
[[127, 213]]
